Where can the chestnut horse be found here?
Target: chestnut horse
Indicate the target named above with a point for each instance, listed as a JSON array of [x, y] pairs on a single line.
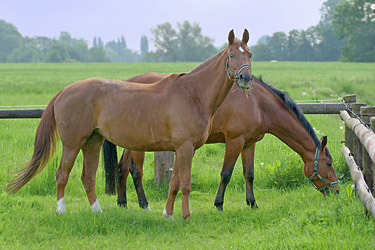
[[173, 114], [240, 122]]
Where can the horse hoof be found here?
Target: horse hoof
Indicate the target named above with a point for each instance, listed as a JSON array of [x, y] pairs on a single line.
[[187, 217], [166, 215], [147, 208], [254, 206], [122, 203], [60, 211], [219, 208], [144, 206]]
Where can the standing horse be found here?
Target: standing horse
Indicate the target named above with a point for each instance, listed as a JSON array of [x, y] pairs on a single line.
[[173, 114], [240, 122]]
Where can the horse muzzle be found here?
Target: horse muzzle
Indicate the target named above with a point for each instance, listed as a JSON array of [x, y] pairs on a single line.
[[331, 190], [244, 81]]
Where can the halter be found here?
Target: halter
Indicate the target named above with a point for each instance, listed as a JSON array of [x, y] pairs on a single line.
[[237, 74], [315, 173]]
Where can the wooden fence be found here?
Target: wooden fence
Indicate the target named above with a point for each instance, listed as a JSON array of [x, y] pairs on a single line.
[[359, 151]]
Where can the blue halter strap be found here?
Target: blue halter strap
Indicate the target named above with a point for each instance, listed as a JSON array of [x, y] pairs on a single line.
[[315, 173]]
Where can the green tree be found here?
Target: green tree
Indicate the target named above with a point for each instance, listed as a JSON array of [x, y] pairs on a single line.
[[97, 55], [188, 44], [166, 42], [294, 42], [10, 39], [329, 45], [53, 56], [193, 46], [41, 42], [29, 54], [355, 22], [144, 44], [260, 52], [277, 45]]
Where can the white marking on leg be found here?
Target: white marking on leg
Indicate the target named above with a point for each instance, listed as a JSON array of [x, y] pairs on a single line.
[[148, 208], [95, 207], [166, 215], [61, 206]]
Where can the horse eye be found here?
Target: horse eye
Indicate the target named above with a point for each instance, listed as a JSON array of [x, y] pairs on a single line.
[[250, 55], [329, 164], [231, 55]]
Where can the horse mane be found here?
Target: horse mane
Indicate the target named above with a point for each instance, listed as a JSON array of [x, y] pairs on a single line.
[[205, 63], [289, 103]]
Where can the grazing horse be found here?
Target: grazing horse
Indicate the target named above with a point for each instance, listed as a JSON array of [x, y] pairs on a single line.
[[173, 114], [240, 122]]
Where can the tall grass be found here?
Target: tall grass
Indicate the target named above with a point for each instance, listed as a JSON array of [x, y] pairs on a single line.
[[292, 214]]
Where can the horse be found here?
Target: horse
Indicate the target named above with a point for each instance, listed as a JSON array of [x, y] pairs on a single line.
[[173, 114], [240, 122]]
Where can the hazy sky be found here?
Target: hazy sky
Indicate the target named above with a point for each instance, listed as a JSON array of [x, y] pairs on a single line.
[[109, 19]]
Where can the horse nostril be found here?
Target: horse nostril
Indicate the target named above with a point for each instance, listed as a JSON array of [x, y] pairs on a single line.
[[246, 77]]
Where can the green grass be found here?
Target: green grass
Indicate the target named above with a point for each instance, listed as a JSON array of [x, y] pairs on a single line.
[[292, 214]]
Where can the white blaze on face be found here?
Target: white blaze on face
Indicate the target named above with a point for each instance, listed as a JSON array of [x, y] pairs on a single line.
[[241, 49]]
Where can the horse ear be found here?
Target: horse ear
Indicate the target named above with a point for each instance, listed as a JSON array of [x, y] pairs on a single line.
[[245, 36], [323, 143], [231, 37]]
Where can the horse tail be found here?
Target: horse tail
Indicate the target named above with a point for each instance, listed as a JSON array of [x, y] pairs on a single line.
[[110, 166], [44, 148]]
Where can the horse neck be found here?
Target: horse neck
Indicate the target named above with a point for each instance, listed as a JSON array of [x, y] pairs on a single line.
[[283, 123], [210, 83]]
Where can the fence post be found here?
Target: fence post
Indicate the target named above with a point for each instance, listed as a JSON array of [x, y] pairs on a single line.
[[163, 166], [357, 146], [372, 122], [349, 99]]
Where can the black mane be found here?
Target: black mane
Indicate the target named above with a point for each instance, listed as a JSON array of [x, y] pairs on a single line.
[[296, 110]]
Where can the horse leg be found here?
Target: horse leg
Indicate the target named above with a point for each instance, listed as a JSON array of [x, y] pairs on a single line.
[[62, 175], [91, 153], [136, 170], [174, 185], [232, 151], [247, 156], [123, 168], [184, 156]]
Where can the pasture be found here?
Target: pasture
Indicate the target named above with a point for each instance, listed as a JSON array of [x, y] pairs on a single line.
[[291, 214]]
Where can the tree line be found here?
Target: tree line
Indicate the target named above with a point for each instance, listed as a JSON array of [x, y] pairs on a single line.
[[346, 32]]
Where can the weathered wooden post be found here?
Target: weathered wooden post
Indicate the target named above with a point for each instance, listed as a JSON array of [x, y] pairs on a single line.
[[372, 122], [163, 166], [357, 146], [366, 113], [349, 99]]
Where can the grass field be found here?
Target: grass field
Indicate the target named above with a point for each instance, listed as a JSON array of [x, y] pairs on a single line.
[[292, 214]]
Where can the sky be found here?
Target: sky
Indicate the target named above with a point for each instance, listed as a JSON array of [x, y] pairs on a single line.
[[110, 19]]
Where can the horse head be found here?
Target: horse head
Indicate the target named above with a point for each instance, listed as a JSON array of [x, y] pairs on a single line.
[[238, 64], [321, 173]]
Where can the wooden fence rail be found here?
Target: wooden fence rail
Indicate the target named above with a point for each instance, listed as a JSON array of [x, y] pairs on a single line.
[[307, 108]]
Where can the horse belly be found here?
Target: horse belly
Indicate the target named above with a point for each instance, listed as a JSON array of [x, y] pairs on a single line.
[[137, 135]]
